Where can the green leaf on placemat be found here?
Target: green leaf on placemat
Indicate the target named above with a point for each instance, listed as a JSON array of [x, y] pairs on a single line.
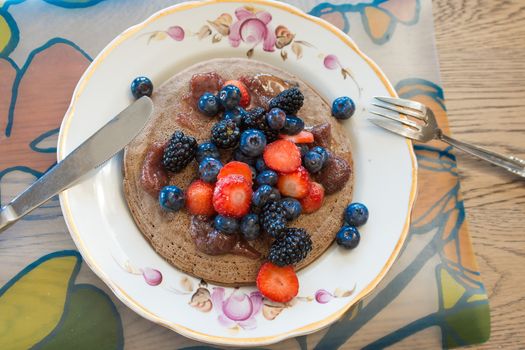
[[42, 308], [470, 332], [32, 302], [90, 321], [9, 35]]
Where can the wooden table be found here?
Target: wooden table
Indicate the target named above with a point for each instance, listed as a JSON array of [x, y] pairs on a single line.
[[481, 46]]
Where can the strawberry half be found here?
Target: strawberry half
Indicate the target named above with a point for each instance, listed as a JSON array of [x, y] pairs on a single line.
[[236, 168], [302, 137], [314, 199], [279, 284], [245, 94], [282, 156], [232, 196], [295, 184], [199, 197]]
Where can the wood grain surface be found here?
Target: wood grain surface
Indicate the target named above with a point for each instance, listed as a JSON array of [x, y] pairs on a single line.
[[481, 46]]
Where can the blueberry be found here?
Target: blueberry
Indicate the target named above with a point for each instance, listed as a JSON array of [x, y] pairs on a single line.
[[209, 169], [171, 198], [348, 237], [207, 149], [303, 149], [293, 125], [313, 161], [230, 96], [292, 208], [252, 142], [322, 151], [262, 195], [260, 165], [141, 86], [226, 224], [343, 107], [276, 118], [241, 157], [267, 177], [235, 114], [209, 104], [356, 214], [250, 227]]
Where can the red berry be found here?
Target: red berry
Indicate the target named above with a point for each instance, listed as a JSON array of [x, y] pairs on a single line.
[[282, 156], [245, 94], [314, 199], [236, 168], [199, 197], [279, 284], [295, 184], [302, 137], [232, 196]]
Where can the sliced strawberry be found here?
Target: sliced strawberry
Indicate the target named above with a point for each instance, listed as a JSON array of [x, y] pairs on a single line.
[[236, 168], [314, 199], [302, 137], [295, 184], [245, 93], [279, 284], [282, 156], [199, 197], [232, 196]]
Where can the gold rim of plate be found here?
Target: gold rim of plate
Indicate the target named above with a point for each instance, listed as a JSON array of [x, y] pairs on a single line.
[[136, 306]]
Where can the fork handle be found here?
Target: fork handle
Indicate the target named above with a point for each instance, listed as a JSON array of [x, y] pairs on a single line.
[[510, 163]]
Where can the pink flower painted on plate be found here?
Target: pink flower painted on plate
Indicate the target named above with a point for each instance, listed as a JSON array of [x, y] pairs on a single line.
[[238, 309], [323, 296], [331, 62], [176, 33], [252, 28], [152, 277]]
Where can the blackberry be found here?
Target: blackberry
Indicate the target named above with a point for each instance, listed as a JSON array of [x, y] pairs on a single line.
[[225, 134], [291, 248], [180, 152], [255, 118], [273, 219], [290, 101]]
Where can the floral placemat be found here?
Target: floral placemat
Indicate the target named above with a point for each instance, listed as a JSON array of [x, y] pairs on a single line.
[[49, 299]]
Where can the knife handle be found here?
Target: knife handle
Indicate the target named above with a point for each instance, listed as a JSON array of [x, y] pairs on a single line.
[[48, 185], [91, 154], [7, 217]]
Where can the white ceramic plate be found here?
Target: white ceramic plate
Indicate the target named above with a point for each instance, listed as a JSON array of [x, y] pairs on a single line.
[[103, 229]]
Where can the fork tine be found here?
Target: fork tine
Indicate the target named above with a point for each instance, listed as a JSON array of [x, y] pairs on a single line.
[[397, 129], [396, 119], [405, 111], [403, 103]]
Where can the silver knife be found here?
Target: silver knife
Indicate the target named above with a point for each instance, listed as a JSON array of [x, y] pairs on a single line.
[[97, 149]]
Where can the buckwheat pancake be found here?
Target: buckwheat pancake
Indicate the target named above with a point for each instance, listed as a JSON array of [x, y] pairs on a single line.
[[169, 233]]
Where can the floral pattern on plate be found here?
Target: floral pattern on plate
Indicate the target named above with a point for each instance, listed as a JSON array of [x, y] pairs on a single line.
[[236, 309], [252, 27]]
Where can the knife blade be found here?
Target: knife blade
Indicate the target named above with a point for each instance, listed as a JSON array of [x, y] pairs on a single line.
[[96, 150]]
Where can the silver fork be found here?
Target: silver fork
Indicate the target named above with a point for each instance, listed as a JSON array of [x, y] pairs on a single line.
[[426, 129]]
